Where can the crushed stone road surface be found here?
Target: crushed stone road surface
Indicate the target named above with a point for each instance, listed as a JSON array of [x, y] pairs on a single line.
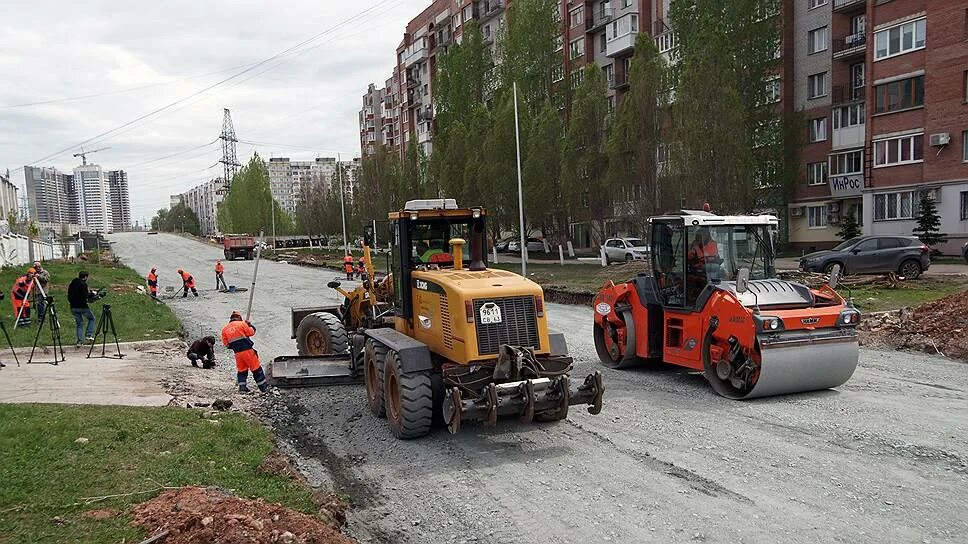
[[883, 458]]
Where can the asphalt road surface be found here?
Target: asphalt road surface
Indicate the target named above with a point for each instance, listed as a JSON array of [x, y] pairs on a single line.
[[883, 458]]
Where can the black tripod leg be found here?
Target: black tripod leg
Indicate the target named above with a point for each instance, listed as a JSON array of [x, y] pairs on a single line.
[[40, 326], [55, 334], [100, 323], [6, 335], [115, 334]]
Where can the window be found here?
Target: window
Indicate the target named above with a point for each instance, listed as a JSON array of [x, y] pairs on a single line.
[[816, 3], [899, 39], [576, 17], [772, 90], [817, 85], [964, 145], [851, 162], [817, 40], [576, 78], [818, 129], [848, 116], [889, 206], [624, 25], [964, 205], [468, 13], [601, 42], [817, 173], [899, 95], [559, 43], [609, 73], [858, 24], [816, 217], [577, 48], [558, 73], [902, 150]]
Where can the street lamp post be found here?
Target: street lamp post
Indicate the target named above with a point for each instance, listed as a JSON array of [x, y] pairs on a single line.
[[342, 207], [517, 140]]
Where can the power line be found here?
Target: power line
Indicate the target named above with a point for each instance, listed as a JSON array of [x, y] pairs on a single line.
[[170, 156], [214, 85], [295, 146]]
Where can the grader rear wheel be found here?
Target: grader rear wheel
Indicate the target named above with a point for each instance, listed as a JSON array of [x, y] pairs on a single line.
[[321, 333], [409, 399], [374, 361]]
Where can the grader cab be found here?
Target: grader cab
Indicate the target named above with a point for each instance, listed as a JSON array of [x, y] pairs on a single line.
[[441, 334]]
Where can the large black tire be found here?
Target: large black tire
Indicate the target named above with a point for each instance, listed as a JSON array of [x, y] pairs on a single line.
[[374, 362], [829, 268], [321, 333], [409, 399], [628, 359], [909, 269]]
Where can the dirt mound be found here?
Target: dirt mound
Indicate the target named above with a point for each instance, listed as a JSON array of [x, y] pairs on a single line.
[[193, 515], [938, 327]]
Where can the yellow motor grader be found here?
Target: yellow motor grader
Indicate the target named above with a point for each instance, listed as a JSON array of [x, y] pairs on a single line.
[[441, 334]]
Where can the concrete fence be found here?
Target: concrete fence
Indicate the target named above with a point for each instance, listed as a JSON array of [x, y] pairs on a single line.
[[14, 250]]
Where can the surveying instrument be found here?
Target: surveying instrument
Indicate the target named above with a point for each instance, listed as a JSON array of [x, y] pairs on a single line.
[[104, 322], [48, 316]]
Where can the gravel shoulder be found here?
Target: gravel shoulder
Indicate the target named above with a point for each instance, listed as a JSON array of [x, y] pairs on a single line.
[[882, 458]]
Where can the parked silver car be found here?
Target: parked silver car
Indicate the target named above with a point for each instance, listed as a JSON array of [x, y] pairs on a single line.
[[625, 250]]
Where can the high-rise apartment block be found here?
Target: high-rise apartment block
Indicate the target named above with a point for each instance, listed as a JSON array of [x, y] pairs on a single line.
[[288, 177], [93, 198], [9, 201], [51, 197], [120, 201], [90, 197], [882, 86], [204, 199]]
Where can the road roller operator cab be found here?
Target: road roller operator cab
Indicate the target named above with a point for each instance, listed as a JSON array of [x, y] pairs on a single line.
[[712, 303]]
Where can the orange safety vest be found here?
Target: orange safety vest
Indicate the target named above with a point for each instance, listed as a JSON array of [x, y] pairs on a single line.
[[19, 292], [219, 268], [187, 279], [235, 336], [348, 264], [698, 254], [153, 282]]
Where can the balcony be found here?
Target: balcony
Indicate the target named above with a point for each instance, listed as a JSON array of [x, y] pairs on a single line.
[[600, 19], [490, 8], [620, 44], [851, 46], [416, 52], [621, 34], [412, 83], [845, 94], [847, 6], [618, 81], [423, 133]]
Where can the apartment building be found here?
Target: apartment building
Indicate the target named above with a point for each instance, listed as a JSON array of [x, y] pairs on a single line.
[[287, 177], [120, 199], [888, 121], [51, 197], [9, 199], [204, 199], [371, 119], [93, 198]]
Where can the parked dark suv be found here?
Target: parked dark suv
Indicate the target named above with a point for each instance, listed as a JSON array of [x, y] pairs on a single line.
[[905, 255]]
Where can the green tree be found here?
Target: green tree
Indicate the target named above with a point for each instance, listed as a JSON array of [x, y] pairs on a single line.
[[13, 221], [635, 139], [180, 218], [528, 52], [583, 159], [497, 169], [849, 227], [929, 222], [65, 240], [413, 172], [249, 206], [542, 175], [377, 189], [463, 76]]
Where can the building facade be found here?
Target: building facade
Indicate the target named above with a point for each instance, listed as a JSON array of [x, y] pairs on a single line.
[[204, 199], [287, 178], [371, 119], [51, 196], [93, 198], [889, 122], [120, 199], [9, 197]]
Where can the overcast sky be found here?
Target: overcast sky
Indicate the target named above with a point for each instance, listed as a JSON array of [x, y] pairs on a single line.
[[305, 105]]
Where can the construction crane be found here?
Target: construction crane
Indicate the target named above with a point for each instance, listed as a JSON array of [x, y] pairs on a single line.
[[83, 154]]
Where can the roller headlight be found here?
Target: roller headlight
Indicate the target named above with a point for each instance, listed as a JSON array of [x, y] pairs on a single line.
[[849, 318], [770, 324]]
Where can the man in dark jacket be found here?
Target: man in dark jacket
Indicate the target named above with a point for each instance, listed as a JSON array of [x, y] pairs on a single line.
[[202, 350], [78, 296]]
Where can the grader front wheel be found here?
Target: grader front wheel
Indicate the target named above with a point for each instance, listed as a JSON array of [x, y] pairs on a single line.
[[374, 362]]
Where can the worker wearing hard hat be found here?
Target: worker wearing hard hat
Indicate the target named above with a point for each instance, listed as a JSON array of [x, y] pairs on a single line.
[[220, 276], [153, 282], [348, 266], [188, 283], [237, 336], [20, 294]]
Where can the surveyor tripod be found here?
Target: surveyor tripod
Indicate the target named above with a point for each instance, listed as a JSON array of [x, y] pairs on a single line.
[[105, 322], [3, 327], [49, 316]]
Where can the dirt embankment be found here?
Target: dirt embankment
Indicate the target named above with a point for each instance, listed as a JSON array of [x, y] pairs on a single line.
[[938, 327]]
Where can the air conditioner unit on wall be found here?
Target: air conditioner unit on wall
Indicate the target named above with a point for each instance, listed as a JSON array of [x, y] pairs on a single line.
[[833, 219], [941, 138], [833, 207], [796, 212]]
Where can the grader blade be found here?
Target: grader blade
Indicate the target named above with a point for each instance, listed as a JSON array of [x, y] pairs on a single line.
[[314, 370]]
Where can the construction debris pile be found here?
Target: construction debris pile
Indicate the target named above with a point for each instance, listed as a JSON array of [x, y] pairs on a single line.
[[938, 327], [189, 515], [816, 279]]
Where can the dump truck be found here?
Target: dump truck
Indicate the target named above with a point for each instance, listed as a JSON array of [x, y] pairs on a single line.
[[441, 335], [238, 246], [712, 303]]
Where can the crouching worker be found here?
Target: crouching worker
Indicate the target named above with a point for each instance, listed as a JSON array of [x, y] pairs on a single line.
[[236, 335], [203, 351]]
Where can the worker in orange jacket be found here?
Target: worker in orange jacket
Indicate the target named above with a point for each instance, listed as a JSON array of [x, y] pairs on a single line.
[[153, 282], [20, 297], [237, 336], [220, 276], [348, 266], [188, 283]]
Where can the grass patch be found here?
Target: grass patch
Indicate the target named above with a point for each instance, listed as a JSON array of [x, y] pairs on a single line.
[[912, 293], [136, 316], [129, 449], [574, 277]]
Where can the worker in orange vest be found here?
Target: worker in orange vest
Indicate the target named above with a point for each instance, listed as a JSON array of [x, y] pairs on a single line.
[[702, 251], [220, 276], [153, 283], [237, 336], [188, 283], [348, 266], [20, 297]]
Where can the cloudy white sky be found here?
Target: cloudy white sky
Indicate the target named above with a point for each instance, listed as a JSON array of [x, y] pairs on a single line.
[[142, 55]]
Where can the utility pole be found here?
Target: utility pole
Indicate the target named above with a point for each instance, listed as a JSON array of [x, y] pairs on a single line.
[[517, 139], [272, 206], [342, 207], [230, 163]]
